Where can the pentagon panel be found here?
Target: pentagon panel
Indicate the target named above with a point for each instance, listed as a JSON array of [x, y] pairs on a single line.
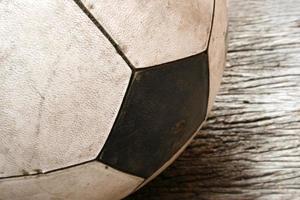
[[163, 107]]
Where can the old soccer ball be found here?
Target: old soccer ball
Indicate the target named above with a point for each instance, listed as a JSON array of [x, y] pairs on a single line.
[[97, 97]]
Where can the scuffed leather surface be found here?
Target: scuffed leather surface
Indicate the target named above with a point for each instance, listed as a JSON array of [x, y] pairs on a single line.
[[91, 181], [155, 32], [61, 86]]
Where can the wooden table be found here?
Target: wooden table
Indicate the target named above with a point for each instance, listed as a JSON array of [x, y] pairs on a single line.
[[250, 146]]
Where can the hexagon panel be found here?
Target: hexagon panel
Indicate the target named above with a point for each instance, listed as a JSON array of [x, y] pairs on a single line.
[[154, 32], [61, 86], [79, 182]]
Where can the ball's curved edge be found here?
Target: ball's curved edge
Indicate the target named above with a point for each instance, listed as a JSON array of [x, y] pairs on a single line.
[[217, 49], [169, 162]]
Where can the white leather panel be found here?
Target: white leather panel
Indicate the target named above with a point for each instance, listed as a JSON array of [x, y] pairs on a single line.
[[91, 181], [61, 86], [157, 31]]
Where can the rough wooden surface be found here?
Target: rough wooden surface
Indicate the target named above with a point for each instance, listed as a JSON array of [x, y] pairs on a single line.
[[250, 147]]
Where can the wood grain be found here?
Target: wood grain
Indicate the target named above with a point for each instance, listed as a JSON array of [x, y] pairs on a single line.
[[250, 146]]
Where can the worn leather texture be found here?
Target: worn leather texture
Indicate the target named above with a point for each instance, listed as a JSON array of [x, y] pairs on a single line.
[[91, 181], [155, 32], [61, 86]]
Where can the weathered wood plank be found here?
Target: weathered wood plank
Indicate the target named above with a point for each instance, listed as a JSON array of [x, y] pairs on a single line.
[[250, 147]]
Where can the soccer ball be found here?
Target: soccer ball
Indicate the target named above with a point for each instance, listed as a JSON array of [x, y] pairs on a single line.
[[97, 97]]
